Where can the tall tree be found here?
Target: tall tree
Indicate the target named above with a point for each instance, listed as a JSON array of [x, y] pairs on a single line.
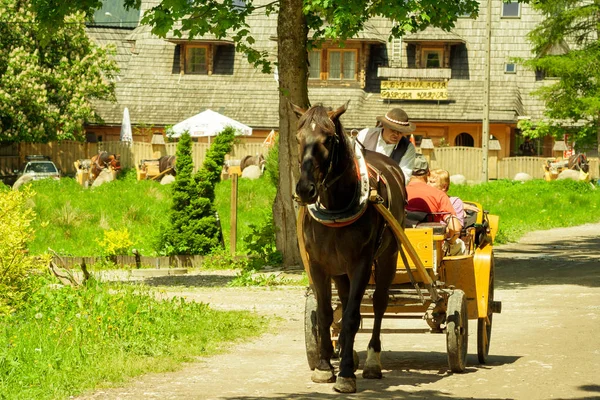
[[47, 81], [328, 20], [567, 47]]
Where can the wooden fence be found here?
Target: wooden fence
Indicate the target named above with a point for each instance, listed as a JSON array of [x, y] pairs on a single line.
[[457, 160], [65, 153], [467, 161]]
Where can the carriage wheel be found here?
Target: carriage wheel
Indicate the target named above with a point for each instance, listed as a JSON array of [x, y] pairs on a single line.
[[484, 325], [457, 331], [311, 332]]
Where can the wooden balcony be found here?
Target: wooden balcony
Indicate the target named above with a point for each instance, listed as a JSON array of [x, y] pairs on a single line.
[[414, 73]]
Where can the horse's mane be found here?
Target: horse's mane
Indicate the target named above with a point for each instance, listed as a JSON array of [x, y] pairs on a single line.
[[318, 115]]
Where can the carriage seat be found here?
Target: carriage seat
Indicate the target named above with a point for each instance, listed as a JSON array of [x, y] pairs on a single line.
[[421, 219]]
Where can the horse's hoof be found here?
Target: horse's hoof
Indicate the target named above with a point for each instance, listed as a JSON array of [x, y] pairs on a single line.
[[372, 368], [320, 376], [372, 372], [345, 385]]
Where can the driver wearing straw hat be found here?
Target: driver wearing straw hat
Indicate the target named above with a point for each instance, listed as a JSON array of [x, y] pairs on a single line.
[[389, 138]]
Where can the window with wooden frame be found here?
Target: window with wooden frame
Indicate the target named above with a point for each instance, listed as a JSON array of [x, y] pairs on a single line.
[[432, 58], [314, 64], [196, 59], [511, 10], [342, 64]]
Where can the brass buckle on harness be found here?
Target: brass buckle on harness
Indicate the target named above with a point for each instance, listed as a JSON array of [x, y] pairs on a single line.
[[374, 197]]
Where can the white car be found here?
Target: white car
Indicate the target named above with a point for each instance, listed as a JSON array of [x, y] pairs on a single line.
[[38, 167]]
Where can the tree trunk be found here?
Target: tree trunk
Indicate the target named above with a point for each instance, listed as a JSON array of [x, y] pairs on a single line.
[[292, 33]]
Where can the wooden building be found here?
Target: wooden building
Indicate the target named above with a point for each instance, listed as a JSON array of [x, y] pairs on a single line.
[[435, 76]]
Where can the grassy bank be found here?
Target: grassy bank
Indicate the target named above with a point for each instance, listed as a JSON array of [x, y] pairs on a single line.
[[68, 340], [71, 219], [534, 205]]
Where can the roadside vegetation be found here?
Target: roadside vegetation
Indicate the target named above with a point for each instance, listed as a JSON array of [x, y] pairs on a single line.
[[534, 205], [60, 340]]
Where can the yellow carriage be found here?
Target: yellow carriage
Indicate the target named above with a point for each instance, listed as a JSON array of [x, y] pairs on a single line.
[[443, 291]]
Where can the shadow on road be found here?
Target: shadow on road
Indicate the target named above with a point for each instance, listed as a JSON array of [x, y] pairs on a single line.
[[208, 281], [558, 262]]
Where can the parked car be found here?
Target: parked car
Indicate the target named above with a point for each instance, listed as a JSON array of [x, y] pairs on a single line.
[[38, 167]]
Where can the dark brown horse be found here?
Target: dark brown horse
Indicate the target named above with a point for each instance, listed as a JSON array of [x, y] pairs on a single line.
[[104, 160], [345, 237], [579, 162], [167, 163]]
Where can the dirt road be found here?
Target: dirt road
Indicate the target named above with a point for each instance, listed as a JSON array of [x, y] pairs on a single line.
[[545, 344]]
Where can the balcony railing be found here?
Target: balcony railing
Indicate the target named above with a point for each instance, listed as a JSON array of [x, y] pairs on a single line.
[[414, 73]]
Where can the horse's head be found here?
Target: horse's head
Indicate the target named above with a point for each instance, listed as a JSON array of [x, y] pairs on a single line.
[[115, 161], [319, 134]]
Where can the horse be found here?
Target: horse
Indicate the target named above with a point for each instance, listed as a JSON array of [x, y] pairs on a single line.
[[578, 162], [104, 160], [167, 163], [346, 239], [258, 160]]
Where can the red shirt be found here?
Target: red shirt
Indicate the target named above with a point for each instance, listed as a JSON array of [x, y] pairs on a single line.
[[425, 198]]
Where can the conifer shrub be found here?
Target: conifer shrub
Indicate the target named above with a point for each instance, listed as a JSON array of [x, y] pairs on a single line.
[[194, 228]]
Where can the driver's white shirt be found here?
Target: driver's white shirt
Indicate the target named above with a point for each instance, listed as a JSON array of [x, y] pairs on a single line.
[[407, 162]]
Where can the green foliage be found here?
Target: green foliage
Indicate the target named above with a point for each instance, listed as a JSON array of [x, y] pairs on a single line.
[[272, 163], [16, 265], [47, 82], [69, 340], [116, 242], [261, 246], [255, 202], [573, 99], [194, 228], [534, 205], [71, 219], [220, 259]]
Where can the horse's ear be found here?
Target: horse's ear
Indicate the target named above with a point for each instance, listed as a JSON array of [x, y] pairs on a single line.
[[298, 110], [335, 114]]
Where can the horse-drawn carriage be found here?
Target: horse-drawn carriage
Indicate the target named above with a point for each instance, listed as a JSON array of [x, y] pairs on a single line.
[[351, 230], [103, 164], [577, 163], [157, 168]]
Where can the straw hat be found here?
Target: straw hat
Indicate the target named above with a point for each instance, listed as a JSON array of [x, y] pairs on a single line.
[[397, 120]]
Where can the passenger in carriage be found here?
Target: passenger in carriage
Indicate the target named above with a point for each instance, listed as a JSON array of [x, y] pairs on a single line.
[[440, 178], [427, 199], [389, 138]]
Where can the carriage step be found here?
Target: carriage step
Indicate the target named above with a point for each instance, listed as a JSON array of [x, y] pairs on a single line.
[[497, 307]]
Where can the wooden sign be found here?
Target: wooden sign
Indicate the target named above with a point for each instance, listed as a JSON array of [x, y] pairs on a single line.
[[414, 90]]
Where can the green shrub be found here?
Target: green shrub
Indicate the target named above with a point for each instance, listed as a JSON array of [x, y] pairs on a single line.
[[194, 228], [272, 163], [16, 265]]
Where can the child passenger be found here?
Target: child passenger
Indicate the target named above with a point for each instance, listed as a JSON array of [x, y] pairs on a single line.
[[440, 178]]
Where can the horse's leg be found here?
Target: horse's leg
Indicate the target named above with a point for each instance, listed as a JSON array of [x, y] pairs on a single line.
[[384, 275], [346, 381], [342, 283], [323, 373]]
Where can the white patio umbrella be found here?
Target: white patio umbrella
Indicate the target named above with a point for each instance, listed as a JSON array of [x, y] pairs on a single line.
[[208, 123], [126, 135]]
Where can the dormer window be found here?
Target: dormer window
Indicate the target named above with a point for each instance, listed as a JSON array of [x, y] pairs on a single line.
[[196, 59], [432, 58]]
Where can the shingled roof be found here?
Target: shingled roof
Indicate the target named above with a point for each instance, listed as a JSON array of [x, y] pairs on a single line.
[[157, 94]]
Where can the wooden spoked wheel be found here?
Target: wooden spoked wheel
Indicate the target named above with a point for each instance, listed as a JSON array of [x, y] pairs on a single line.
[[311, 332], [484, 325], [457, 331]]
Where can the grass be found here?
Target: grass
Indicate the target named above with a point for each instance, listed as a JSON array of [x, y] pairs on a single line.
[[69, 340], [71, 219], [534, 205]]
